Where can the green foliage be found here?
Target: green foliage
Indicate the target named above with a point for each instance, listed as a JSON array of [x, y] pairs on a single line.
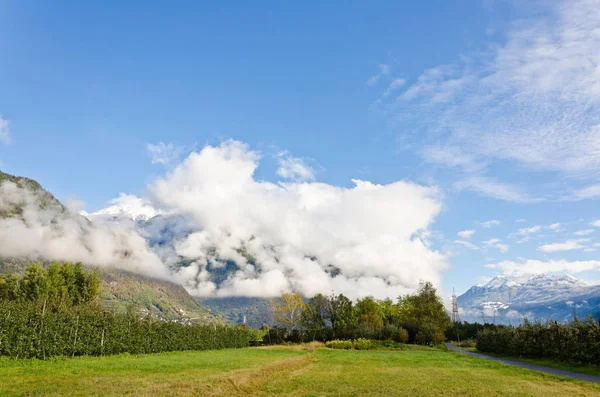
[[60, 284], [28, 330], [363, 344], [339, 344], [424, 307], [578, 341], [402, 335]]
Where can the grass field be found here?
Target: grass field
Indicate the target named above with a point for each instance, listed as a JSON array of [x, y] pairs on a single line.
[[293, 371]]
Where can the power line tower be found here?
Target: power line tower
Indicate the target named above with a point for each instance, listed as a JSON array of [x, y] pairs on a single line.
[[455, 317]]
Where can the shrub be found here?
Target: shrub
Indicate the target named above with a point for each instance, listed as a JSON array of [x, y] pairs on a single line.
[[401, 335], [339, 344], [363, 344]]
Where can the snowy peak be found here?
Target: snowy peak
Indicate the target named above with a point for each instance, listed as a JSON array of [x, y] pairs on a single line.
[[534, 280], [521, 295], [127, 206]]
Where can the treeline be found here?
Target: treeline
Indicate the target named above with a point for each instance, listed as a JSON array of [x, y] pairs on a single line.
[[417, 318], [55, 312], [577, 341]]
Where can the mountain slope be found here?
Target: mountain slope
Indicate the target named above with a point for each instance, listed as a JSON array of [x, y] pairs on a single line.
[[120, 288], [541, 296]]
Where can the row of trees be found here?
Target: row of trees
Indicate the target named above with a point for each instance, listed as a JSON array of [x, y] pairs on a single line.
[[54, 311], [59, 285], [419, 318], [577, 341]]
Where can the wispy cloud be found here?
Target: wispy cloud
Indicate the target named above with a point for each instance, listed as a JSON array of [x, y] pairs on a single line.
[[383, 70], [294, 168], [538, 266], [466, 233], [4, 131], [496, 243], [493, 188], [568, 245], [488, 224], [531, 100], [164, 153], [528, 230], [467, 244], [555, 227], [596, 223], [584, 232]]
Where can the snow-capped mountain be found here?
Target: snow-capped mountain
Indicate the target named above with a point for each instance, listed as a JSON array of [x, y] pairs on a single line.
[[127, 206], [535, 296]]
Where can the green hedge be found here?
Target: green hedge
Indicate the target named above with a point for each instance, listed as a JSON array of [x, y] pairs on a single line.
[[577, 341], [29, 330]]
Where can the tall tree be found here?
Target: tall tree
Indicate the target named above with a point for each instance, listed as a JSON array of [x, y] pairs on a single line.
[[340, 313], [424, 307], [288, 310]]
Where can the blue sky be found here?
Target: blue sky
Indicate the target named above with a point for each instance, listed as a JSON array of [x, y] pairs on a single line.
[[495, 103]]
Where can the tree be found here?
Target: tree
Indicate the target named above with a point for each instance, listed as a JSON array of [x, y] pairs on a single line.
[[369, 312], [340, 314], [313, 317], [288, 310], [424, 311]]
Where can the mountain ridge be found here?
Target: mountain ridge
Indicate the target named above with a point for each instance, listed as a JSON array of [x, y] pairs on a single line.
[[513, 297]]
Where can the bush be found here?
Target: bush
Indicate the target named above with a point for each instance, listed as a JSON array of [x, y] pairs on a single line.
[[401, 335], [339, 344], [363, 344], [429, 334]]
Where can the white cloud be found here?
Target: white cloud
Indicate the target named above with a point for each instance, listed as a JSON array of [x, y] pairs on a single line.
[[596, 223], [528, 230], [4, 131], [538, 266], [384, 70], [467, 244], [466, 233], [164, 153], [375, 235], [520, 220], [489, 224], [496, 243], [394, 85], [294, 168], [492, 188], [530, 100], [55, 233], [584, 232], [555, 227], [568, 245], [588, 192]]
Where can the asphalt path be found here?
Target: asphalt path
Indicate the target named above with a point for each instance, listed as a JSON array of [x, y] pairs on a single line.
[[534, 367]]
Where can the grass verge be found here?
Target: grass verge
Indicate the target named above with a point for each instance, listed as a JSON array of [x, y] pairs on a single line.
[[307, 370]]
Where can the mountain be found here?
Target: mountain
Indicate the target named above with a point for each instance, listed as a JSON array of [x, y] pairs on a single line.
[[510, 298], [120, 288], [126, 206], [13, 207], [256, 311]]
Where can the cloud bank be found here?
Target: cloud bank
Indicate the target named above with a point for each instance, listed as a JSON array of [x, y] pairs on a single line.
[[53, 232], [221, 232], [310, 237]]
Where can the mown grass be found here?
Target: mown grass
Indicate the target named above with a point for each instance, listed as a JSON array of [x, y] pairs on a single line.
[[292, 371]]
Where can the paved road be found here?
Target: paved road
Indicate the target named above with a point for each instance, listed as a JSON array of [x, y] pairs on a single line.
[[548, 370]]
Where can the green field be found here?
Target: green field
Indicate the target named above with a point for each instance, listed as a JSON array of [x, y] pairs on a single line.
[[293, 371]]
